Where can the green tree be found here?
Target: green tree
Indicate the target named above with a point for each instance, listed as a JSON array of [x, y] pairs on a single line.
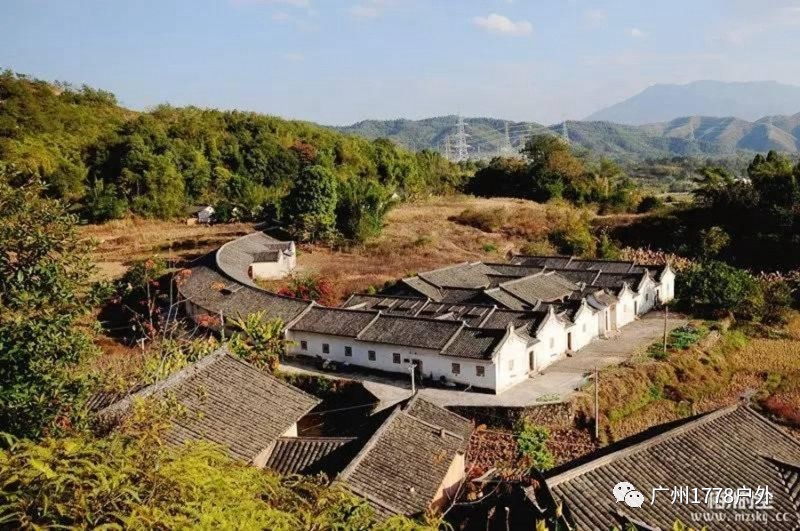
[[129, 481], [362, 207], [310, 209], [45, 294], [715, 287]]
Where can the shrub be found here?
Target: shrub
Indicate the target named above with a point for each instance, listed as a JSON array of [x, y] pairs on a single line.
[[311, 288], [715, 287], [648, 204], [487, 220], [489, 248], [571, 233], [532, 443], [127, 482]]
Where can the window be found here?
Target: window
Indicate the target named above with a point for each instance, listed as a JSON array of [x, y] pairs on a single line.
[[552, 342], [348, 351], [584, 328], [304, 345], [510, 365], [326, 348], [396, 358], [456, 368], [371, 355], [480, 370]]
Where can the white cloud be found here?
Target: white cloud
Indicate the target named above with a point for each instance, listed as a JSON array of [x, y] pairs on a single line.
[[636, 33], [500, 24], [281, 16], [595, 17]]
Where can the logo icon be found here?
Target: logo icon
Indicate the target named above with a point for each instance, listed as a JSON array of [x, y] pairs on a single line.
[[627, 493]]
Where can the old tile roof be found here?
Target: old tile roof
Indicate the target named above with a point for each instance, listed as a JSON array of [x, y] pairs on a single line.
[[475, 343], [310, 455], [549, 262], [465, 275], [410, 331], [215, 293], [228, 402], [532, 290], [515, 270], [472, 314], [334, 321], [402, 466], [266, 256], [439, 416], [386, 303], [731, 448], [419, 286]]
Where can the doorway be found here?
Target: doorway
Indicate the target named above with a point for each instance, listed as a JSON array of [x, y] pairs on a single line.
[[569, 341]]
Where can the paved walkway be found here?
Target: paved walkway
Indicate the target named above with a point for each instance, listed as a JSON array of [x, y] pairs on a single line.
[[559, 380]]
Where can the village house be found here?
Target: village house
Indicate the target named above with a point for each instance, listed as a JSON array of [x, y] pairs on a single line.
[[414, 462], [678, 468], [200, 214], [226, 401], [478, 325], [221, 285]]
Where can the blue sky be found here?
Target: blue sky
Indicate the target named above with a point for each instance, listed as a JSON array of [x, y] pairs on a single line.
[[339, 61]]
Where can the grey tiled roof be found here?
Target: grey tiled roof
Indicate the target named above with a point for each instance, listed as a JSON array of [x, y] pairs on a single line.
[[401, 467], [730, 448], [472, 314], [439, 416], [266, 256], [421, 287], [549, 262], [215, 293], [386, 303], [228, 402], [334, 321], [500, 318], [309, 455], [515, 270], [476, 343], [410, 331], [466, 275]]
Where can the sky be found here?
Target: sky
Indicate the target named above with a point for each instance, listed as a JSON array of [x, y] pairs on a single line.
[[340, 61]]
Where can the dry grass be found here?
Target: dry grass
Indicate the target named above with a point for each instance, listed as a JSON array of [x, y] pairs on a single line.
[[121, 242], [649, 392], [424, 235]]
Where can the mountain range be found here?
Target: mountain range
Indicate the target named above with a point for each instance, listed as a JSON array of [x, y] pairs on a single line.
[[664, 102], [702, 118], [686, 136]]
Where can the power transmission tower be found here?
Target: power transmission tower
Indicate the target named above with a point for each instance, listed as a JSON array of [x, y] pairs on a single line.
[[506, 148], [447, 152], [461, 147], [565, 131]]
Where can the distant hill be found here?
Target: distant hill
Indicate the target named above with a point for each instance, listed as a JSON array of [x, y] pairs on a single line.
[[486, 135], [663, 103], [687, 136]]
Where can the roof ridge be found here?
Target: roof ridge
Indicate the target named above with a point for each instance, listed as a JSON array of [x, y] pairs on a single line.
[[432, 426], [640, 446], [419, 398]]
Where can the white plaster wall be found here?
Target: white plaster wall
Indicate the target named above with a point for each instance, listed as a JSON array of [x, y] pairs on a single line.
[[625, 309], [552, 344], [646, 297], [668, 286], [433, 363], [513, 364], [585, 329], [271, 270]]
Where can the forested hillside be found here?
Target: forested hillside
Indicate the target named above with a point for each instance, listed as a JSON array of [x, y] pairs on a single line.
[[689, 136], [107, 161]]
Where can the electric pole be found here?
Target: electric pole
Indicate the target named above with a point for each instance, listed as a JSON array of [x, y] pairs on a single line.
[[666, 314], [596, 404]]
